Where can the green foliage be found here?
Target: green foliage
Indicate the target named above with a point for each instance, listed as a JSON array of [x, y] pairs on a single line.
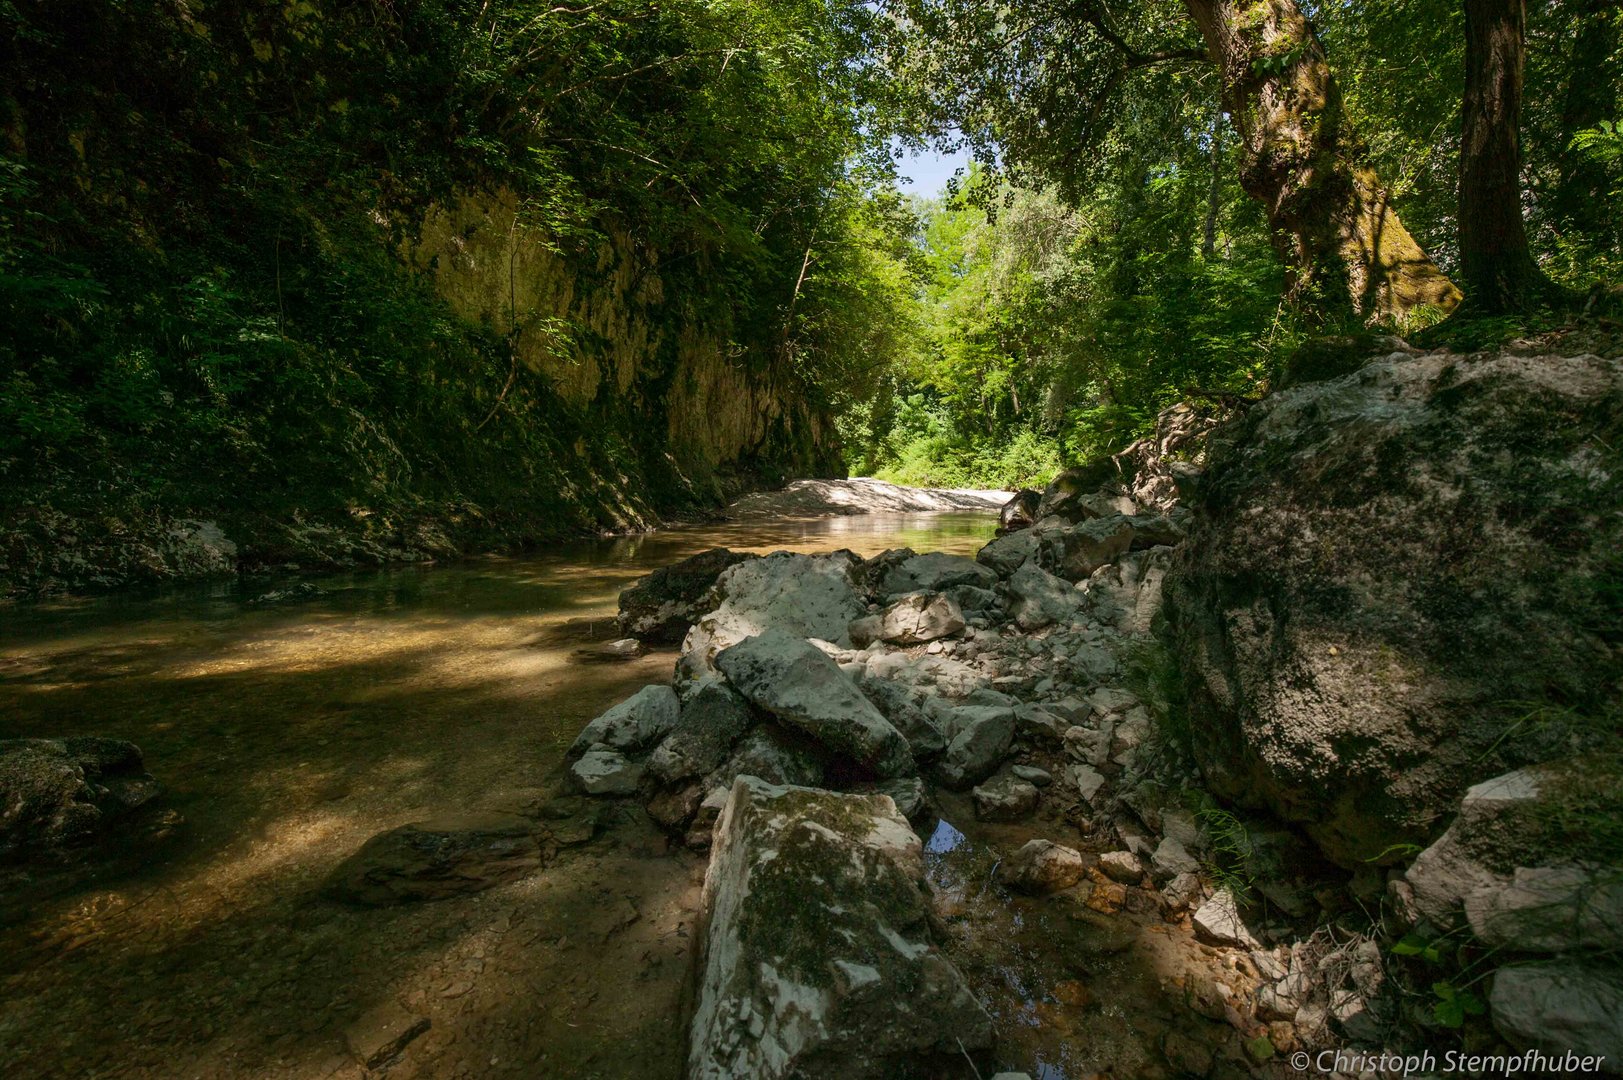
[[1055, 332], [1231, 851], [204, 213]]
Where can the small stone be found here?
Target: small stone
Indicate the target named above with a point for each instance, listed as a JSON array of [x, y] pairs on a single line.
[[383, 1033], [1182, 891], [1218, 922], [1121, 866], [1031, 774], [609, 652], [1088, 781], [1042, 866]]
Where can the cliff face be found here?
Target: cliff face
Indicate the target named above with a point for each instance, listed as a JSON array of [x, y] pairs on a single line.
[[611, 337]]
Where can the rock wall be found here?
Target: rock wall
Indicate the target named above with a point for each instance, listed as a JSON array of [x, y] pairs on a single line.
[[1391, 572], [604, 336]]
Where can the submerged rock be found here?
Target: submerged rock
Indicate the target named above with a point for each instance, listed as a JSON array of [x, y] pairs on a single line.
[[1042, 866], [609, 652], [794, 681], [661, 606], [430, 860], [816, 955], [60, 794], [1005, 799]]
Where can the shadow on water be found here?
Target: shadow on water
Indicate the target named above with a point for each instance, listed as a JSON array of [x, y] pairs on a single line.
[[287, 733]]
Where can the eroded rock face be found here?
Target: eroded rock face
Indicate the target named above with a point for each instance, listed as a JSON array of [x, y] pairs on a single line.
[[430, 860], [60, 794], [795, 682], [661, 606], [1380, 562], [817, 955]]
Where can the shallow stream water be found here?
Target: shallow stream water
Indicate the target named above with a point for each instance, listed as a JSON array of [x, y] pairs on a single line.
[[287, 732]]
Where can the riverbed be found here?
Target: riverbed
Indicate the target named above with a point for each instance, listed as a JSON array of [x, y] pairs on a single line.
[[289, 730]]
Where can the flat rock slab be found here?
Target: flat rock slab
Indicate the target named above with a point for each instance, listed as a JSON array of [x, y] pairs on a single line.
[[797, 683], [383, 1033], [450, 855], [859, 495], [817, 957]]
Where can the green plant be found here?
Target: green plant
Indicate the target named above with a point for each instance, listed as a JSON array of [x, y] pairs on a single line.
[[1231, 851]]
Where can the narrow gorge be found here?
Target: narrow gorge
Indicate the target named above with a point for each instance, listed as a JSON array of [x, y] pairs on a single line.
[[795, 539]]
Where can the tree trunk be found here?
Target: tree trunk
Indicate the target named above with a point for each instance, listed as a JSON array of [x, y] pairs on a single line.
[[1333, 224], [1496, 264], [1581, 200]]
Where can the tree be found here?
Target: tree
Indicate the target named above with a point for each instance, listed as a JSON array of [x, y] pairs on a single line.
[[1334, 224], [1046, 83], [1496, 262]]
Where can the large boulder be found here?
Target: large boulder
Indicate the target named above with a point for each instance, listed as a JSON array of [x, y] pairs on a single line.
[[635, 724], [807, 596], [932, 572], [1006, 554], [1077, 551], [1384, 565], [710, 722], [979, 740], [1038, 598], [920, 617], [1562, 1008], [1019, 512], [431, 860], [661, 606], [796, 682], [816, 952], [60, 794]]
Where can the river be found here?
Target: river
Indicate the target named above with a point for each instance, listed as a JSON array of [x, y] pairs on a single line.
[[286, 734]]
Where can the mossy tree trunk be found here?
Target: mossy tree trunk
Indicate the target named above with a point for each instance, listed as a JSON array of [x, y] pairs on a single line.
[[1496, 264], [1333, 223]]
